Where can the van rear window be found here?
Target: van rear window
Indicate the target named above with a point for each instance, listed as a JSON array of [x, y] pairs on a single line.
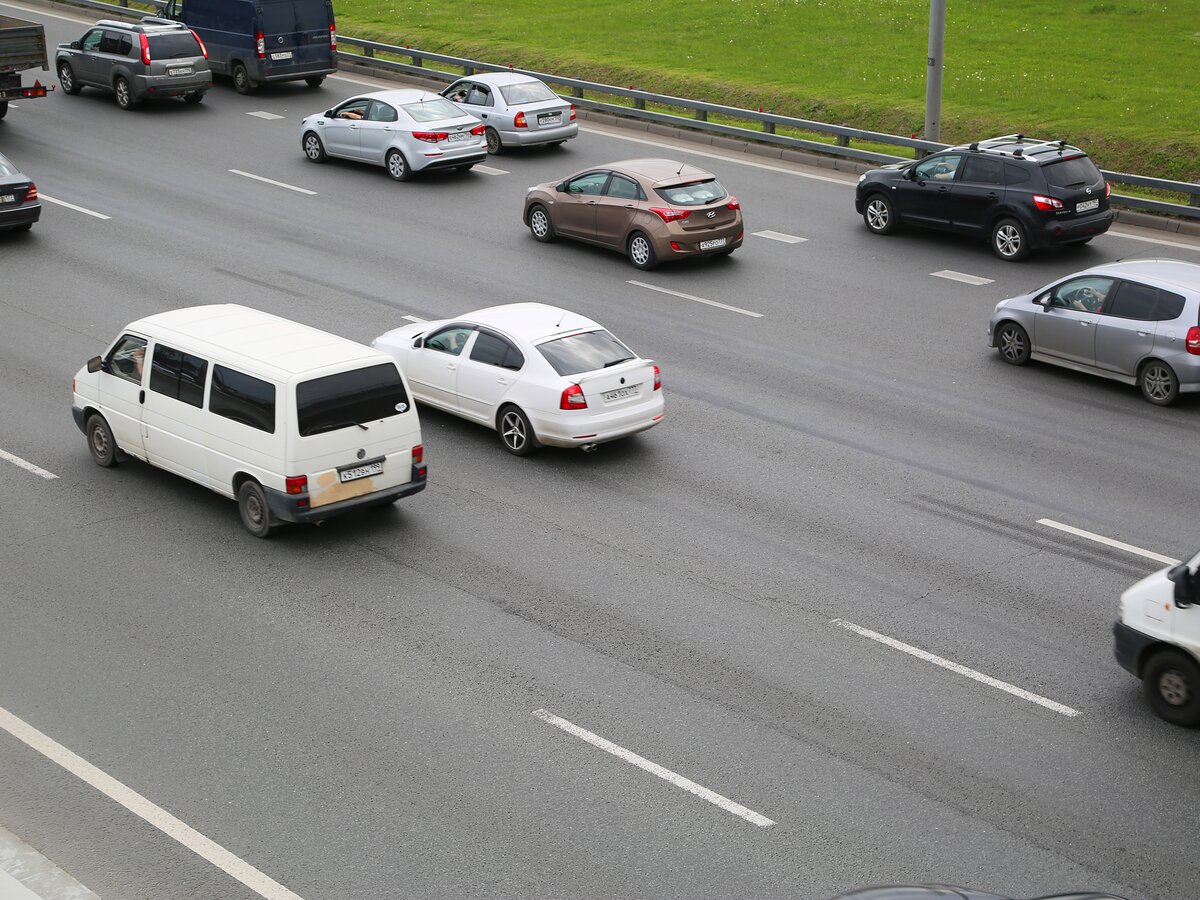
[[350, 399]]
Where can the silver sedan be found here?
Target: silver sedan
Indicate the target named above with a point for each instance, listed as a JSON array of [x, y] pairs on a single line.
[[518, 110], [405, 131]]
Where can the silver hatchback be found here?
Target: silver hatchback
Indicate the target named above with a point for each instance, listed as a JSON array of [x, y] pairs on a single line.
[[1137, 322]]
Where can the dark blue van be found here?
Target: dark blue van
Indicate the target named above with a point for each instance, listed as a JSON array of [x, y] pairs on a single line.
[[263, 40]]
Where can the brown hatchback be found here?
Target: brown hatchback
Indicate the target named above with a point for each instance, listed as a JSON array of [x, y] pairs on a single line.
[[653, 210]]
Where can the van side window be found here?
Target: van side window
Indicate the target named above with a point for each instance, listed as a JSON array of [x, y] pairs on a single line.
[[243, 398], [178, 375], [126, 359]]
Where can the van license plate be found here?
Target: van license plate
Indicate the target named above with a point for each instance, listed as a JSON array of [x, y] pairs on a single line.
[[287, 54], [8, 198], [1086, 205], [621, 393], [356, 472], [712, 245], [179, 70]]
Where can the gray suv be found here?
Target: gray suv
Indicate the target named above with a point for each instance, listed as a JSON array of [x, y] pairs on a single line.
[[144, 61], [1136, 322]]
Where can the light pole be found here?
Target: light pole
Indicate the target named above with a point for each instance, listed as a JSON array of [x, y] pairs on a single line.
[[933, 81]]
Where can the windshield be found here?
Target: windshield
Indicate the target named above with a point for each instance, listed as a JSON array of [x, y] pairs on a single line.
[[696, 193], [587, 352], [350, 399], [526, 92], [432, 110]]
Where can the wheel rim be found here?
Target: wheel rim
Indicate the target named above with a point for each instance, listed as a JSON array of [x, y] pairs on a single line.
[[64, 75], [1012, 344], [639, 250], [99, 442], [512, 431], [1173, 688], [122, 93], [312, 147], [877, 215], [493, 141], [540, 223], [240, 79], [1156, 382], [254, 510], [1008, 240], [396, 165]]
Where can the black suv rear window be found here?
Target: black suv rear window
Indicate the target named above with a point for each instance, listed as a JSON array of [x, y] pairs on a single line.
[[348, 398], [1077, 172], [697, 193], [585, 352], [173, 45]]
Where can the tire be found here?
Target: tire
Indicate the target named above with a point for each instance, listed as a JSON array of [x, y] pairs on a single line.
[[397, 165], [516, 434], [1158, 383], [312, 146], [124, 92], [493, 142], [241, 79], [66, 77], [1013, 343], [540, 224], [3, 108], [1009, 240], [641, 251], [315, 81], [193, 99], [252, 505], [101, 442], [879, 215], [1171, 683]]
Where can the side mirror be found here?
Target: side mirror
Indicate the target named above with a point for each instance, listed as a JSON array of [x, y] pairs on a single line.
[[329, 113], [95, 364], [561, 187], [74, 45], [419, 342], [1185, 585]]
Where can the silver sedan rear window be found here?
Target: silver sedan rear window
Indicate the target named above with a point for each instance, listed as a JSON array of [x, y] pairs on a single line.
[[526, 92]]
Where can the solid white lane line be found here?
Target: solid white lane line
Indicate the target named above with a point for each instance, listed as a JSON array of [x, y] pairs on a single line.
[[488, 170], [957, 668], [655, 769], [290, 187], [961, 276], [779, 236], [263, 114], [27, 466], [662, 290], [1109, 542], [144, 809], [86, 212], [1151, 240], [414, 319]]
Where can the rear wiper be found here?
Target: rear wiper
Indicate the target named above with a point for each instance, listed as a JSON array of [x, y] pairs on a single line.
[[331, 426], [617, 362]]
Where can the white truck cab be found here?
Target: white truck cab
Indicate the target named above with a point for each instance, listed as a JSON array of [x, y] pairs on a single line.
[[1157, 638]]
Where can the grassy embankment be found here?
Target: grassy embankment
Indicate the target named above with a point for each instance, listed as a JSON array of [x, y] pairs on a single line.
[[1118, 78]]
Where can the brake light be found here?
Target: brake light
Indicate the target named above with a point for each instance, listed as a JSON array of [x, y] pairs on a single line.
[[1193, 341], [145, 49], [38, 90], [31, 194], [1107, 189], [431, 137], [670, 215], [203, 49], [296, 484], [519, 121], [733, 203], [1046, 202], [478, 129], [572, 398], [332, 38], [260, 46], [572, 112], [418, 454], [657, 379]]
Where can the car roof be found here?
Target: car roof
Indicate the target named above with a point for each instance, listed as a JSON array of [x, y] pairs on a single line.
[[531, 321], [1162, 272], [499, 78], [258, 341], [661, 170]]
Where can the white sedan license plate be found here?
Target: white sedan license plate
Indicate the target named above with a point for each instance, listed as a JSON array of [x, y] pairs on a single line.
[[620, 393], [1086, 205], [713, 244], [458, 136], [353, 474], [287, 54], [8, 198], [550, 119], [179, 70]]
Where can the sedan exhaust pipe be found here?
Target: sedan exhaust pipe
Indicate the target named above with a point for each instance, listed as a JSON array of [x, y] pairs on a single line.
[[588, 448]]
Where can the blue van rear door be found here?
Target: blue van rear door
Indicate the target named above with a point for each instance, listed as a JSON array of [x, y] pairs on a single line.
[[296, 35]]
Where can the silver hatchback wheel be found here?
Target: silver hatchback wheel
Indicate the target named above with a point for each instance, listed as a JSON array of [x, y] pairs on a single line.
[[1158, 383], [1013, 343]]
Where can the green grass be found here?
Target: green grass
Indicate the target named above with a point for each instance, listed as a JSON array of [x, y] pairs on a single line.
[[1119, 78]]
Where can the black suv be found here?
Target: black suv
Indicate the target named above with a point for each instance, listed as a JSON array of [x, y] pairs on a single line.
[[1019, 192]]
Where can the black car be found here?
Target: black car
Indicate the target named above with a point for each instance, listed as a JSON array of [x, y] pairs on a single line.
[[1019, 193], [19, 203], [949, 892]]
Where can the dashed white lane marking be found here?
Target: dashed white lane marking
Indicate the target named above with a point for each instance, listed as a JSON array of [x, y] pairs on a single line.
[[1150, 240], [1109, 542], [214, 853], [961, 276], [263, 114], [488, 170], [779, 236], [27, 466], [662, 290], [655, 769], [86, 212], [290, 187], [414, 319], [957, 668]]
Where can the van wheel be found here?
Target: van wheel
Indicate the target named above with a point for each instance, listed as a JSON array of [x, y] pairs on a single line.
[[1172, 685], [124, 92], [101, 441], [516, 434], [241, 79], [315, 80], [256, 514]]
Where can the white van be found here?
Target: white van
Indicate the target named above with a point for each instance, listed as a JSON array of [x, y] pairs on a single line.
[[1157, 638], [299, 425]]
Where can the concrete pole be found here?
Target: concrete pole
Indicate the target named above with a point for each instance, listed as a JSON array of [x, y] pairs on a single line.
[[933, 83]]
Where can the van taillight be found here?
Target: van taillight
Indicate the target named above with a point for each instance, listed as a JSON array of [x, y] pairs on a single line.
[[203, 49], [332, 38], [572, 398], [1193, 341], [296, 484], [145, 49], [418, 454], [657, 379], [260, 46]]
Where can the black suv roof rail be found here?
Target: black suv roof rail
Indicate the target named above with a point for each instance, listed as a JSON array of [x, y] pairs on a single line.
[[1017, 145]]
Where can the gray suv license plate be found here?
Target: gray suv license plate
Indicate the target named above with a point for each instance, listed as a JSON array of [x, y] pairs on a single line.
[[179, 70]]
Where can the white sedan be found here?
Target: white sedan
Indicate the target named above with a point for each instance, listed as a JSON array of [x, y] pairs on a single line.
[[536, 374], [405, 131]]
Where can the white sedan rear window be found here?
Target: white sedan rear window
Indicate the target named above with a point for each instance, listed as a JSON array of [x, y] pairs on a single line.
[[587, 352]]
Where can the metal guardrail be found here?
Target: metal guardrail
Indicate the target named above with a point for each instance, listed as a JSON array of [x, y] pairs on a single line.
[[767, 122]]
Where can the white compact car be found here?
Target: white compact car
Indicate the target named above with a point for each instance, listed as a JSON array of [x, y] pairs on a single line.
[[536, 374], [405, 131]]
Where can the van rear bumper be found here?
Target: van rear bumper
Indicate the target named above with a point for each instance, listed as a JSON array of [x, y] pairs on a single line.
[[1128, 644], [287, 506]]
